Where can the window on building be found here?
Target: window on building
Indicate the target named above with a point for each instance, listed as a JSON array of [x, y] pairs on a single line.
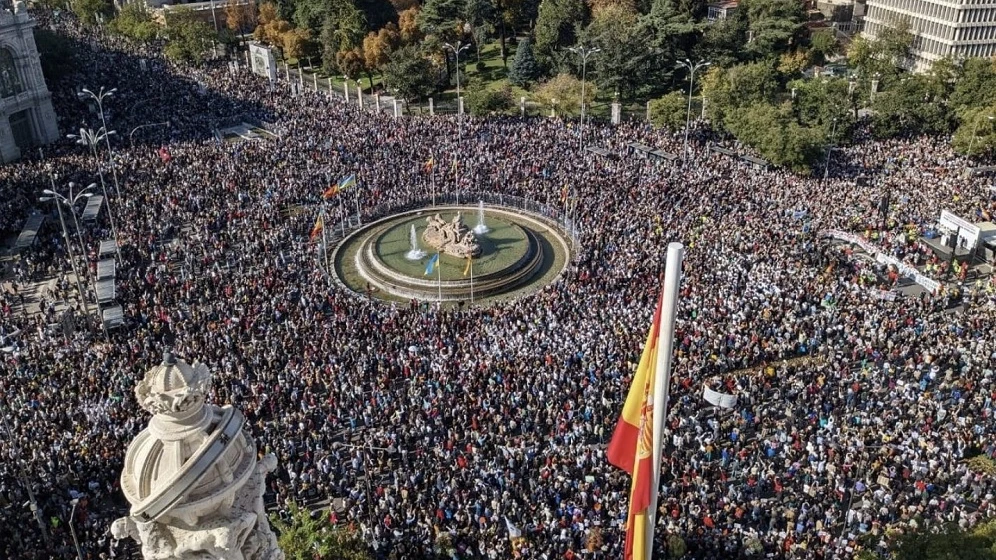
[[10, 81]]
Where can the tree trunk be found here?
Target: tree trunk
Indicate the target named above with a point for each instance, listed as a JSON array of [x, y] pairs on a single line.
[[370, 79], [504, 53]]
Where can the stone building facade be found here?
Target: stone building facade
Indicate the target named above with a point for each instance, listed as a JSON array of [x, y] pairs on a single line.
[[26, 115], [957, 28]]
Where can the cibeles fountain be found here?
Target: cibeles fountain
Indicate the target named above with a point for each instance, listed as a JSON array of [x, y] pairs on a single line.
[[192, 476]]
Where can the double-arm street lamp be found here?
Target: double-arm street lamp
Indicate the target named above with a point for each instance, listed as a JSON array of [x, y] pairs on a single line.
[[584, 53], [692, 67], [830, 145], [91, 139], [16, 447], [99, 98], [366, 467], [52, 196], [457, 49]]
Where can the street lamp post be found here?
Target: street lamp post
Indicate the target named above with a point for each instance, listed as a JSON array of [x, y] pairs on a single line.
[[72, 528], [99, 98], [833, 136], [975, 129], [131, 135], [584, 53], [457, 49], [69, 249], [32, 501], [692, 68], [89, 138], [366, 466]]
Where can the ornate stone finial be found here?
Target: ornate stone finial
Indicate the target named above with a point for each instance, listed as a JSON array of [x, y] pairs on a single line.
[[174, 387]]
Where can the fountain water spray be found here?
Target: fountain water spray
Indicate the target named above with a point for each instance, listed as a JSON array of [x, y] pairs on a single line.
[[481, 228], [414, 253]]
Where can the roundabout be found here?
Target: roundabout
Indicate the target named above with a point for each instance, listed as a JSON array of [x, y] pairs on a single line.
[[401, 257]]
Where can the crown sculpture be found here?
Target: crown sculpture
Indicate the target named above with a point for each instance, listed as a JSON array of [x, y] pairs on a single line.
[[451, 238], [191, 477]]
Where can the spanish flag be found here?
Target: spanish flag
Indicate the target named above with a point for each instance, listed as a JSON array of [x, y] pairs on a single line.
[[466, 268], [319, 226], [454, 166], [428, 165], [631, 447], [563, 195]]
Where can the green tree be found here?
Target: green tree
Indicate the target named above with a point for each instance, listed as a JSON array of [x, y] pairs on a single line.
[[483, 100], [56, 54], [566, 89], [342, 30], [774, 26], [441, 18], [818, 102], [775, 134], [910, 107], [307, 536], [753, 83], [135, 20], [524, 68], [91, 12], [479, 13], [669, 111], [673, 28], [556, 27], [949, 543], [723, 42], [408, 74], [187, 38], [976, 86], [621, 64], [976, 134], [822, 45]]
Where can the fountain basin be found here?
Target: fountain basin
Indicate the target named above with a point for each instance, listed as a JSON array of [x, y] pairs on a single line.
[[523, 252]]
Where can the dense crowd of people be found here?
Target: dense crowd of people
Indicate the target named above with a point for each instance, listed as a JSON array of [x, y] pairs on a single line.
[[427, 427]]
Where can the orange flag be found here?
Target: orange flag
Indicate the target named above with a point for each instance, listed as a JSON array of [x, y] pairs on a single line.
[[317, 230], [631, 447]]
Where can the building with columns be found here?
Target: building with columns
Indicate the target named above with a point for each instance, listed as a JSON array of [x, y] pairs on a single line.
[[26, 116], [954, 28]]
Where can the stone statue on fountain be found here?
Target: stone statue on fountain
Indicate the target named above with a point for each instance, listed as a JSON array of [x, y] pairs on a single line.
[[452, 238]]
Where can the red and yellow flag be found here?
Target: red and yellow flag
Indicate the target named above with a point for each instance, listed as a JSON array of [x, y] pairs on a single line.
[[319, 226], [331, 191], [631, 447]]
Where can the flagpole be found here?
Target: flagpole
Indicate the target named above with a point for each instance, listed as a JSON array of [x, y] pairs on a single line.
[[358, 220], [325, 242], [342, 211], [439, 275], [432, 174], [662, 380], [471, 280]]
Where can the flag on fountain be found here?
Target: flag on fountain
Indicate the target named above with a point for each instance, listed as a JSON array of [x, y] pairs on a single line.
[[631, 447], [431, 265], [347, 181], [319, 226], [331, 191], [466, 269]]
